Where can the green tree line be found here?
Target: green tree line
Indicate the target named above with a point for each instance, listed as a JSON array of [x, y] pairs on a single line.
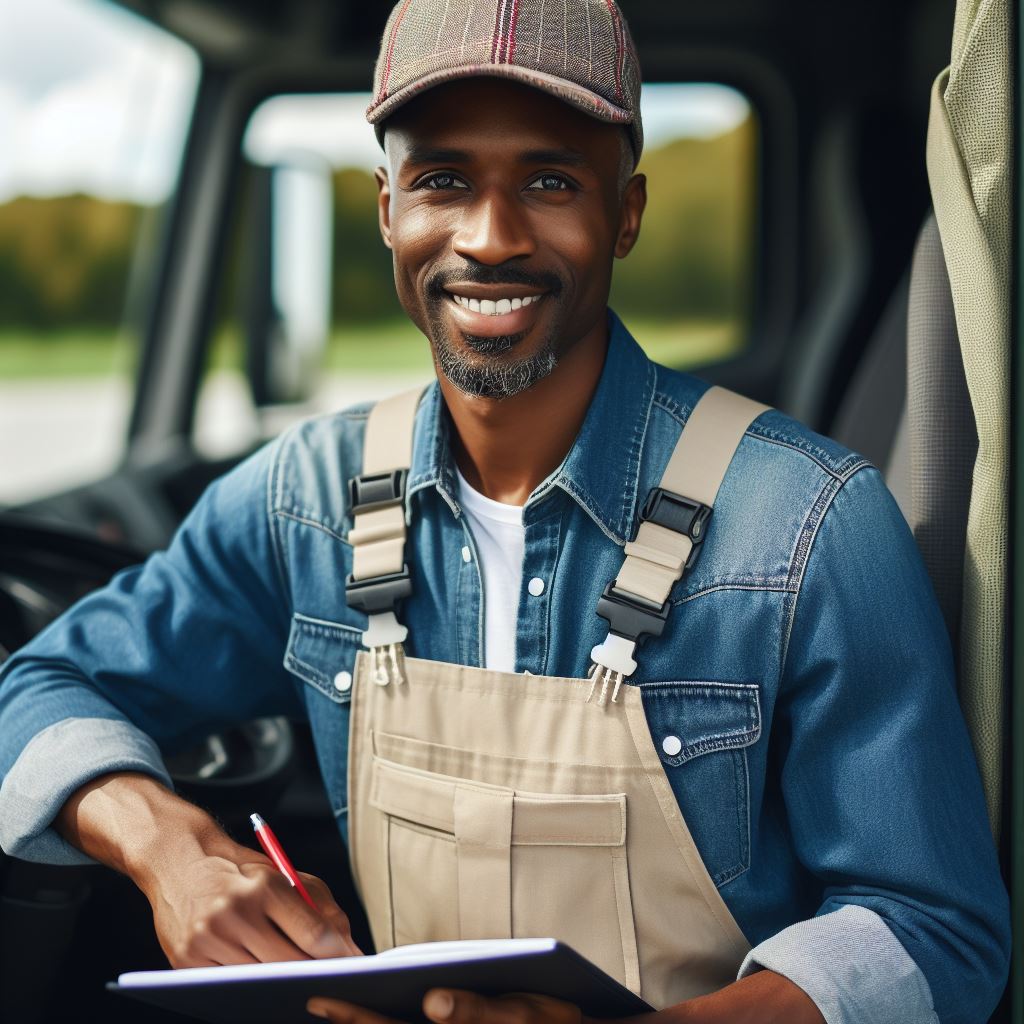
[[65, 262]]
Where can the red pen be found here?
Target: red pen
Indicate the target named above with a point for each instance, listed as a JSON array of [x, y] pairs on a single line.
[[272, 848]]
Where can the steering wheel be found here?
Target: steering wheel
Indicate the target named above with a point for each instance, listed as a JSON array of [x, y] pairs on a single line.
[[45, 567]]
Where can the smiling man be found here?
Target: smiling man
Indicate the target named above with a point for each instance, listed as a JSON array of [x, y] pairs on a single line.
[[588, 649]]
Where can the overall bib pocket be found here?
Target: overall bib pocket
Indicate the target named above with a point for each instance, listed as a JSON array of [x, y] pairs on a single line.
[[701, 731], [504, 863]]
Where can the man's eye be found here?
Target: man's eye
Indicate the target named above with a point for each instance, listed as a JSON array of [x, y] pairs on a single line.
[[439, 182], [549, 183]]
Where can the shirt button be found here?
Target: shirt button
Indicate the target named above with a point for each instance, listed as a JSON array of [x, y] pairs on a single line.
[[466, 554], [343, 681], [671, 745], [535, 586]]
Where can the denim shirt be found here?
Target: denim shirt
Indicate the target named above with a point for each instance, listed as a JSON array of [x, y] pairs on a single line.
[[822, 764]]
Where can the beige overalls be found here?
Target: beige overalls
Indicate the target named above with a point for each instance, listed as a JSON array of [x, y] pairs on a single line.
[[490, 804]]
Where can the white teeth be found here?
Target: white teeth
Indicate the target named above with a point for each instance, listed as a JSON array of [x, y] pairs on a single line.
[[494, 307]]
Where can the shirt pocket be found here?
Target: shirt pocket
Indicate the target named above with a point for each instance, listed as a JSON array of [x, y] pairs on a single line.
[[322, 654], [702, 731]]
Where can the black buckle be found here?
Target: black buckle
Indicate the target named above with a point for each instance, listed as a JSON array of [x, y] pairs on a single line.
[[683, 515], [631, 617], [380, 593], [376, 490]]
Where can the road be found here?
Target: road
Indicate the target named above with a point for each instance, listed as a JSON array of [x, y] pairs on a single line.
[[56, 434]]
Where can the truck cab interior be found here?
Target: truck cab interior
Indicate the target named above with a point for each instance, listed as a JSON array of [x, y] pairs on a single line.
[[857, 295]]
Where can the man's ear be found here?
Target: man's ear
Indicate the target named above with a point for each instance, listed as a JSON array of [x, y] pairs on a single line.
[[383, 204], [631, 212]]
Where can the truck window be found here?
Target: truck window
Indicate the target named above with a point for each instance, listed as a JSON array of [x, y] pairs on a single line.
[[94, 108]]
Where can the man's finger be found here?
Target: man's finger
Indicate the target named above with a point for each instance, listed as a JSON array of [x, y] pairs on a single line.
[[266, 942], [338, 1012], [311, 931], [454, 1006], [327, 906]]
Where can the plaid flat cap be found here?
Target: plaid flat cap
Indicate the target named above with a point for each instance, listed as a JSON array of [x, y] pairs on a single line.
[[579, 51]]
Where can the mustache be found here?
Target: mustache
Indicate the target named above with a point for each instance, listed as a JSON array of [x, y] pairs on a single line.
[[478, 273]]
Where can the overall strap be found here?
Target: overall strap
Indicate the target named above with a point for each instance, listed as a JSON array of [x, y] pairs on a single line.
[[380, 576], [672, 528]]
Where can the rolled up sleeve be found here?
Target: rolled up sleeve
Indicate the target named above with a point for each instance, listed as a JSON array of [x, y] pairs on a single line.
[[881, 787], [851, 965], [167, 653], [33, 791]]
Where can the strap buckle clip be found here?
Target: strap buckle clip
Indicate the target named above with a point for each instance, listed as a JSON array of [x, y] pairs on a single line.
[[630, 616], [379, 593], [376, 490], [682, 515]]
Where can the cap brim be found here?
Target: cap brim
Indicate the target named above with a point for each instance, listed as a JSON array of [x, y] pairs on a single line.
[[582, 99]]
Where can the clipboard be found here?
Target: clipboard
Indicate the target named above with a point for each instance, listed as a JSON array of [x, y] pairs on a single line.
[[392, 983]]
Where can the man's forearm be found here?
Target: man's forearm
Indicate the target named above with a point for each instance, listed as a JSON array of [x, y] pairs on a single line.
[[761, 998], [136, 825]]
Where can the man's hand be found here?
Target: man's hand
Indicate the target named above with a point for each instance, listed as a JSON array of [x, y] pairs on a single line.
[[451, 1006], [214, 901], [761, 998], [234, 907]]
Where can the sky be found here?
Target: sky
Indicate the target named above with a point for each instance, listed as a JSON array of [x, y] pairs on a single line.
[[95, 100]]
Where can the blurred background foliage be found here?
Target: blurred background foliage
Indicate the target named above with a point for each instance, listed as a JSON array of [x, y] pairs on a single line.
[[66, 265]]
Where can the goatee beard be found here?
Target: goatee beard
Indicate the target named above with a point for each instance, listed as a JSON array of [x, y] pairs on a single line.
[[487, 379]]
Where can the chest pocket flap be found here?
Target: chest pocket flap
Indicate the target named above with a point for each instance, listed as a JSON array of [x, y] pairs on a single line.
[[688, 719], [323, 654], [702, 731]]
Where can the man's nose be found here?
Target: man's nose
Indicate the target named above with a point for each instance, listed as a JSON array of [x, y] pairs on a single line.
[[493, 229]]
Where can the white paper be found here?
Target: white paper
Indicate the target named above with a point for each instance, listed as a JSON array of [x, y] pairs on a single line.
[[426, 953]]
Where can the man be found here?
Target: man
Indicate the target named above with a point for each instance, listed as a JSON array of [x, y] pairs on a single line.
[[782, 727]]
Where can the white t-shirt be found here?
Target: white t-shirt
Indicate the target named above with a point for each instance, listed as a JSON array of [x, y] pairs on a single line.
[[500, 539]]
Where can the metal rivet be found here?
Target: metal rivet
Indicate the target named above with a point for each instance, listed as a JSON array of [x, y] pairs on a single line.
[[671, 745], [343, 681], [466, 553], [536, 586]]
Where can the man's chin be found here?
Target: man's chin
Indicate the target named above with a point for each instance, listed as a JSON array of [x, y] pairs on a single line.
[[494, 374], [492, 345]]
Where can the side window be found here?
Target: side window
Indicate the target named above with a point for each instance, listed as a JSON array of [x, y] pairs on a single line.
[[686, 291], [94, 107]]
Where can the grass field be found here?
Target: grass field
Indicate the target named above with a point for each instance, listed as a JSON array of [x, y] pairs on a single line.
[[368, 348]]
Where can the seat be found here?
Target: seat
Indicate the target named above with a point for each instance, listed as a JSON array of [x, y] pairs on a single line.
[[954, 437], [908, 409]]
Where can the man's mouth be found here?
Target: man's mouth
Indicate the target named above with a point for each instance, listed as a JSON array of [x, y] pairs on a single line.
[[495, 307], [487, 311]]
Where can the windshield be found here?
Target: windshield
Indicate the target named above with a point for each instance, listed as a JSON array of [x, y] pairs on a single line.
[[94, 111]]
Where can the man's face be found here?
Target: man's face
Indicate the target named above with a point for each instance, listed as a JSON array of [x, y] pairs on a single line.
[[504, 208]]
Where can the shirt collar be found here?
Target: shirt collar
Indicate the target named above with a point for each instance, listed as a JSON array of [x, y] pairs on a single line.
[[600, 472]]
